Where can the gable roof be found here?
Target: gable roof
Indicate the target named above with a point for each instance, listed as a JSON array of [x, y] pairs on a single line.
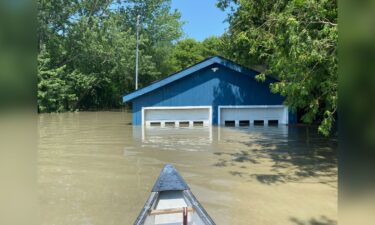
[[188, 71]]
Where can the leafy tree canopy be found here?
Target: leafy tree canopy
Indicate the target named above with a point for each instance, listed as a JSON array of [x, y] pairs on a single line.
[[86, 48], [297, 42], [189, 51]]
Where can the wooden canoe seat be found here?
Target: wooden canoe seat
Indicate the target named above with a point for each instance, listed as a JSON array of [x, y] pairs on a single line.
[[170, 211]]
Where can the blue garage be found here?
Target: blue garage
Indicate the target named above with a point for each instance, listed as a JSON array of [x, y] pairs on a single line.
[[215, 91]]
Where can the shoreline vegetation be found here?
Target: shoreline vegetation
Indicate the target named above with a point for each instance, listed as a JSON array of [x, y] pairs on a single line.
[[86, 51]]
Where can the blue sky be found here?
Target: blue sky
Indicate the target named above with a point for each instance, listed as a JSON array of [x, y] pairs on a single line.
[[202, 18]]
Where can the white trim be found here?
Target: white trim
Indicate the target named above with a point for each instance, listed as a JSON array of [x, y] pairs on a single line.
[[286, 110], [286, 114], [251, 106], [178, 107], [143, 116]]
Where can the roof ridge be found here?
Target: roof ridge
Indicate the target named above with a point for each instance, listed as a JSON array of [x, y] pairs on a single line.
[[187, 71]]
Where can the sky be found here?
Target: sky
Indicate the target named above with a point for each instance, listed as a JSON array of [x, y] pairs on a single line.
[[202, 18]]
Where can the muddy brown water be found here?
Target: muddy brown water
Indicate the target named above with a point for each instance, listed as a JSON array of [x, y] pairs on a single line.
[[96, 168]]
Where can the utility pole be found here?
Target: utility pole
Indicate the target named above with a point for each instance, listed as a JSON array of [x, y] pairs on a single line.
[[136, 55]]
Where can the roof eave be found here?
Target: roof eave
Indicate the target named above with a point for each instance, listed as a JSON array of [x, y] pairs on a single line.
[[171, 78], [176, 76]]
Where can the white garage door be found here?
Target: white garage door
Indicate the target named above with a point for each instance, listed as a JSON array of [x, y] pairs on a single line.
[[186, 116], [253, 115]]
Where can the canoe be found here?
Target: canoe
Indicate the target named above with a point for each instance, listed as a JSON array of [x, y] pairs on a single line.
[[172, 203]]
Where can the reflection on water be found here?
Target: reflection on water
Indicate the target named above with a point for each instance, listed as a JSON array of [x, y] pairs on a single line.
[[96, 168], [169, 138]]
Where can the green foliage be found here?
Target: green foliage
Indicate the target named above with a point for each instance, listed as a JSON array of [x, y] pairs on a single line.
[[53, 91], [86, 56], [295, 41], [187, 52], [213, 46], [86, 50]]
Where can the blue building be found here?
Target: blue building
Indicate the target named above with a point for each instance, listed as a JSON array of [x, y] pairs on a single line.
[[214, 91]]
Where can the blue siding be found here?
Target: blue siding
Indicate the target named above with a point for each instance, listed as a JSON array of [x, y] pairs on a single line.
[[205, 87], [292, 117], [187, 72]]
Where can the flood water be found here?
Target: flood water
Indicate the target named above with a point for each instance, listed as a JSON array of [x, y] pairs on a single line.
[[96, 168]]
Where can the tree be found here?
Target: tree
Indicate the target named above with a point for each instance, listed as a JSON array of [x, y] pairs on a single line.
[[296, 41], [189, 51], [87, 50], [213, 46], [186, 53], [54, 93]]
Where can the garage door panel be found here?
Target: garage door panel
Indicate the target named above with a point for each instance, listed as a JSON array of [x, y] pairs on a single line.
[[252, 113], [159, 114]]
